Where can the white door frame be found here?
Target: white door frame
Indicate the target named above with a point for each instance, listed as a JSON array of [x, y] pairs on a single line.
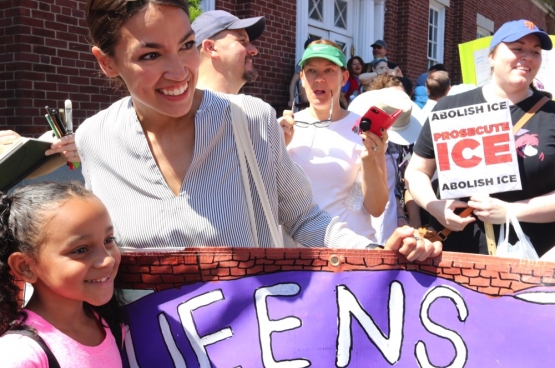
[[363, 31]]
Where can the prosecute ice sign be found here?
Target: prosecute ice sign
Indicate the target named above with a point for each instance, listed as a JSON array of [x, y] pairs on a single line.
[[475, 150]]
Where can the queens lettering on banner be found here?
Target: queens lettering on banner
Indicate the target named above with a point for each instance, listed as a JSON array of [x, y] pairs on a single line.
[[475, 150]]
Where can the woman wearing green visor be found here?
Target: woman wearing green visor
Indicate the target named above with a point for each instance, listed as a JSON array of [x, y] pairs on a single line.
[[347, 171]]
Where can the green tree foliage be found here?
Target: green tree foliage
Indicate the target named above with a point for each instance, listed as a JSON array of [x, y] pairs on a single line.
[[194, 9]]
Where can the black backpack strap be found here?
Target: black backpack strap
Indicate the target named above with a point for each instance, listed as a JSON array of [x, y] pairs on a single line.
[[52, 361], [115, 328]]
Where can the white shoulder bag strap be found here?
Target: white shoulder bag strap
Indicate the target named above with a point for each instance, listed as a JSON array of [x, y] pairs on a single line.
[[245, 150]]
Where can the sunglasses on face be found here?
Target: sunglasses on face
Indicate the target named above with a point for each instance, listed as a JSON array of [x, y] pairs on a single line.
[[317, 124]]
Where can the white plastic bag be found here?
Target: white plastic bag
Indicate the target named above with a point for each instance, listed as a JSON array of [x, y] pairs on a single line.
[[522, 249]]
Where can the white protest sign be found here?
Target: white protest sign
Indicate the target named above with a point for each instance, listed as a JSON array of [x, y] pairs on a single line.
[[482, 66], [475, 150]]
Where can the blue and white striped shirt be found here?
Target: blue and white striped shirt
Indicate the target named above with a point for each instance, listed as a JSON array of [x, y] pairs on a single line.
[[210, 209]]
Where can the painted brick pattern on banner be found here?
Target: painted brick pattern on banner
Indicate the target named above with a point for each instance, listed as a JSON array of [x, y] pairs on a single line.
[[488, 275]]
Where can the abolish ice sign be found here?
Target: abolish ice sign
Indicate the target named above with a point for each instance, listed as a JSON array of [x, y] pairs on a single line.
[[475, 150]]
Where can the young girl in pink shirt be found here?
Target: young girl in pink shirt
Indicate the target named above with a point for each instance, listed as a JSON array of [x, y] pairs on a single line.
[[59, 238]]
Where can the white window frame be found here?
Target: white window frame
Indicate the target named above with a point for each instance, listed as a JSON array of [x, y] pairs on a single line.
[[440, 8], [482, 32], [484, 27], [328, 14], [207, 5]]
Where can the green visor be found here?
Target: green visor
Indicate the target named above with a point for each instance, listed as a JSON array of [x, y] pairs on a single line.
[[324, 51]]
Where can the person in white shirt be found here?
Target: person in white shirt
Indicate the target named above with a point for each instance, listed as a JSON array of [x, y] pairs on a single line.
[[347, 171]]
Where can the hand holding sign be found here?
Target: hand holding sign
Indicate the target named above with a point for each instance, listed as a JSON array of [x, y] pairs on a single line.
[[444, 212], [491, 210]]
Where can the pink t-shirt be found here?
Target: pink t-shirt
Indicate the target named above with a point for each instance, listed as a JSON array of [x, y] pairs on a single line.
[[22, 352]]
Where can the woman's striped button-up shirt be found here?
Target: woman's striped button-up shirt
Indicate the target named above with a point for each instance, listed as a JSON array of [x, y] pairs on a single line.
[[210, 209]]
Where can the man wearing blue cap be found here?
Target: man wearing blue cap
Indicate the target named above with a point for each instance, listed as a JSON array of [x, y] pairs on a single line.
[[226, 52]]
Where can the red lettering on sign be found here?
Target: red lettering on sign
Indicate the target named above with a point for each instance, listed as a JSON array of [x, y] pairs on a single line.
[[494, 146], [443, 157], [458, 149]]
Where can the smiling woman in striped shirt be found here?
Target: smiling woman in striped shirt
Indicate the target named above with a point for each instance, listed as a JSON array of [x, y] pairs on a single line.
[[164, 160]]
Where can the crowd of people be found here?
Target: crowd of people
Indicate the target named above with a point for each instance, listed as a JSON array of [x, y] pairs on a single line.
[[163, 169]]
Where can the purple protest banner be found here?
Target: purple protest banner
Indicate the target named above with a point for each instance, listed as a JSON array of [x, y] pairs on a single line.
[[336, 308]]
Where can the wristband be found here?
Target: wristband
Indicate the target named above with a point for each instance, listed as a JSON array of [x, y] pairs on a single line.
[[403, 217]]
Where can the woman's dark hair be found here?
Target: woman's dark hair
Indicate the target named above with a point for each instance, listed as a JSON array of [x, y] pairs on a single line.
[[350, 64], [106, 17], [407, 85], [437, 67], [22, 218], [308, 42]]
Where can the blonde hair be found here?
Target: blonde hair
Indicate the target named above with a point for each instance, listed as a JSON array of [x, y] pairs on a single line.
[[385, 81]]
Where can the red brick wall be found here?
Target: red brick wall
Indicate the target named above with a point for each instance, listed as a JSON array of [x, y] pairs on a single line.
[[45, 59], [406, 24], [485, 274], [275, 62], [550, 25], [406, 29], [464, 24]]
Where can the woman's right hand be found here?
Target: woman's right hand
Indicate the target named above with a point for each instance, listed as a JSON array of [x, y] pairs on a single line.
[[66, 147], [444, 212], [8, 137], [287, 125]]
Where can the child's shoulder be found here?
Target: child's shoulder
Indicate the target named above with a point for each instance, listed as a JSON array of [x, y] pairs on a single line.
[[22, 352]]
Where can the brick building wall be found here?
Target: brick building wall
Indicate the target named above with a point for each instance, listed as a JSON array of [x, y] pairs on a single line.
[[45, 59], [499, 11], [275, 62], [406, 29], [488, 275]]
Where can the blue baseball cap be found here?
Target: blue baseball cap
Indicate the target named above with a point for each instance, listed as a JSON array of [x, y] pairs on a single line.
[[516, 29], [212, 22]]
